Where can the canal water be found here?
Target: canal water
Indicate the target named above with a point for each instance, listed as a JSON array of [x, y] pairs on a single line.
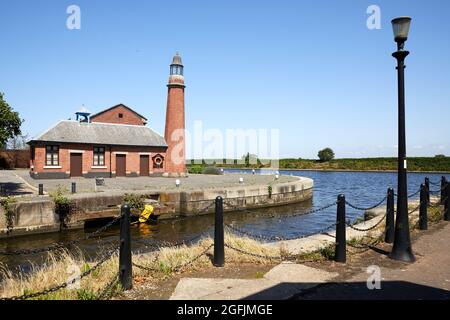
[[362, 189]]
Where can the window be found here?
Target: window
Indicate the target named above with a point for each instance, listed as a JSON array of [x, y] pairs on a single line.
[[52, 155], [120, 115], [99, 156]]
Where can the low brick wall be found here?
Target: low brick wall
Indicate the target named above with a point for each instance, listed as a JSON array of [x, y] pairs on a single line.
[[11, 159]]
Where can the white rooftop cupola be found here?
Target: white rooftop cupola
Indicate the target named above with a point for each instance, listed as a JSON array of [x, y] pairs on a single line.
[[83, 114]]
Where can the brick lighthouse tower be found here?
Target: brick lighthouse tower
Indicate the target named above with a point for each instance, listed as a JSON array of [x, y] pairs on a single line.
[[174, 133]]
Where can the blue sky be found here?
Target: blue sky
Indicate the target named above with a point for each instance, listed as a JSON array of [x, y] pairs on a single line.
[[310, 68]]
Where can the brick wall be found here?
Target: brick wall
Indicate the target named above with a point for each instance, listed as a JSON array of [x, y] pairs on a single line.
[[40, 170], [174, 131], [10, 159], [112, 116]]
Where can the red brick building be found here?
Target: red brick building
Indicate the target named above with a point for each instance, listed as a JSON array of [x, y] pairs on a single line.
[[114, 142]]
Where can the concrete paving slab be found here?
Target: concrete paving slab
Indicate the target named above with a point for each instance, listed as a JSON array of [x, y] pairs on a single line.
[[281, 282], [297, 273]]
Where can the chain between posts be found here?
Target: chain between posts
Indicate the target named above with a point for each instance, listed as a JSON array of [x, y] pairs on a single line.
[[61, 245], [109, 288], [65, 284], [368, 208], [365, 246], [411, 195], [352, 226], [437, 204], [253, 254], [166, 244], [277, 238], [177, 268], [288, 215], [414, 210]]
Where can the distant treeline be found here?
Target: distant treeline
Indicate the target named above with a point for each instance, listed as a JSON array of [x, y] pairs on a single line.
[[361, 164]]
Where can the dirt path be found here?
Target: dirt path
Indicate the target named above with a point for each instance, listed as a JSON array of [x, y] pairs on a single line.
[[427, 278]]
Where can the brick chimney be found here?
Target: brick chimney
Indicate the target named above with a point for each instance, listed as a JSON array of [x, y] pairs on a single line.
[[175, 127]]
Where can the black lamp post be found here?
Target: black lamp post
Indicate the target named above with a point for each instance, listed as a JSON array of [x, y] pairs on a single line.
[[401, 249]]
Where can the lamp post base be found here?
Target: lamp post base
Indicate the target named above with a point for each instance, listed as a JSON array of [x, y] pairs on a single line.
[[402, 255]]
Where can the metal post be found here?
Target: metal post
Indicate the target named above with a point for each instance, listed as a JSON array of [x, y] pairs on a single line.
[[125, 271], [74, 187], [423, 216], [340, 254], [389, 230], [447, 203], [41, 189], [219, 243], [427, 185], [443, 185], [401, 250]]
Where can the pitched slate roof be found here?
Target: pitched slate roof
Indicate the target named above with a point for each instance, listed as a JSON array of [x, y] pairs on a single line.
[[118, 105], [68, 131]]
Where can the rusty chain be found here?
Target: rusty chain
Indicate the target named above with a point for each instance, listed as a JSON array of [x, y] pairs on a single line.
[[415, 209], [368, 208], [276, 238], [352, 226], [62, 244], [177, 268], [108, 291], [65, 284], [288, 215]]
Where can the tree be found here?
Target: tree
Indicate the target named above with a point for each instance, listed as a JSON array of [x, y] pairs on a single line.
[[326, 154], [440, 156], [18, 142], [10, 122], [250, 159]]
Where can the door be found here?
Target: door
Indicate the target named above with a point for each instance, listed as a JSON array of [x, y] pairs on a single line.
[[121, 165], [145, 164], [76, 164]]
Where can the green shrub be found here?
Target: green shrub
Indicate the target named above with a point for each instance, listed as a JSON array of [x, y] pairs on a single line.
[[135, 201], [195, 169], [84, 294], [63, 206], [327, 252], [6, 204]]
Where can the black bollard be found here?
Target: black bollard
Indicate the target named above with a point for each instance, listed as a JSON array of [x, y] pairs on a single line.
[[219, 243], [340, 253], [125, 271], [74, 187], [41, 189], [389, 230], [427, 185], [447, 203], [423, 216], [443, 184]]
